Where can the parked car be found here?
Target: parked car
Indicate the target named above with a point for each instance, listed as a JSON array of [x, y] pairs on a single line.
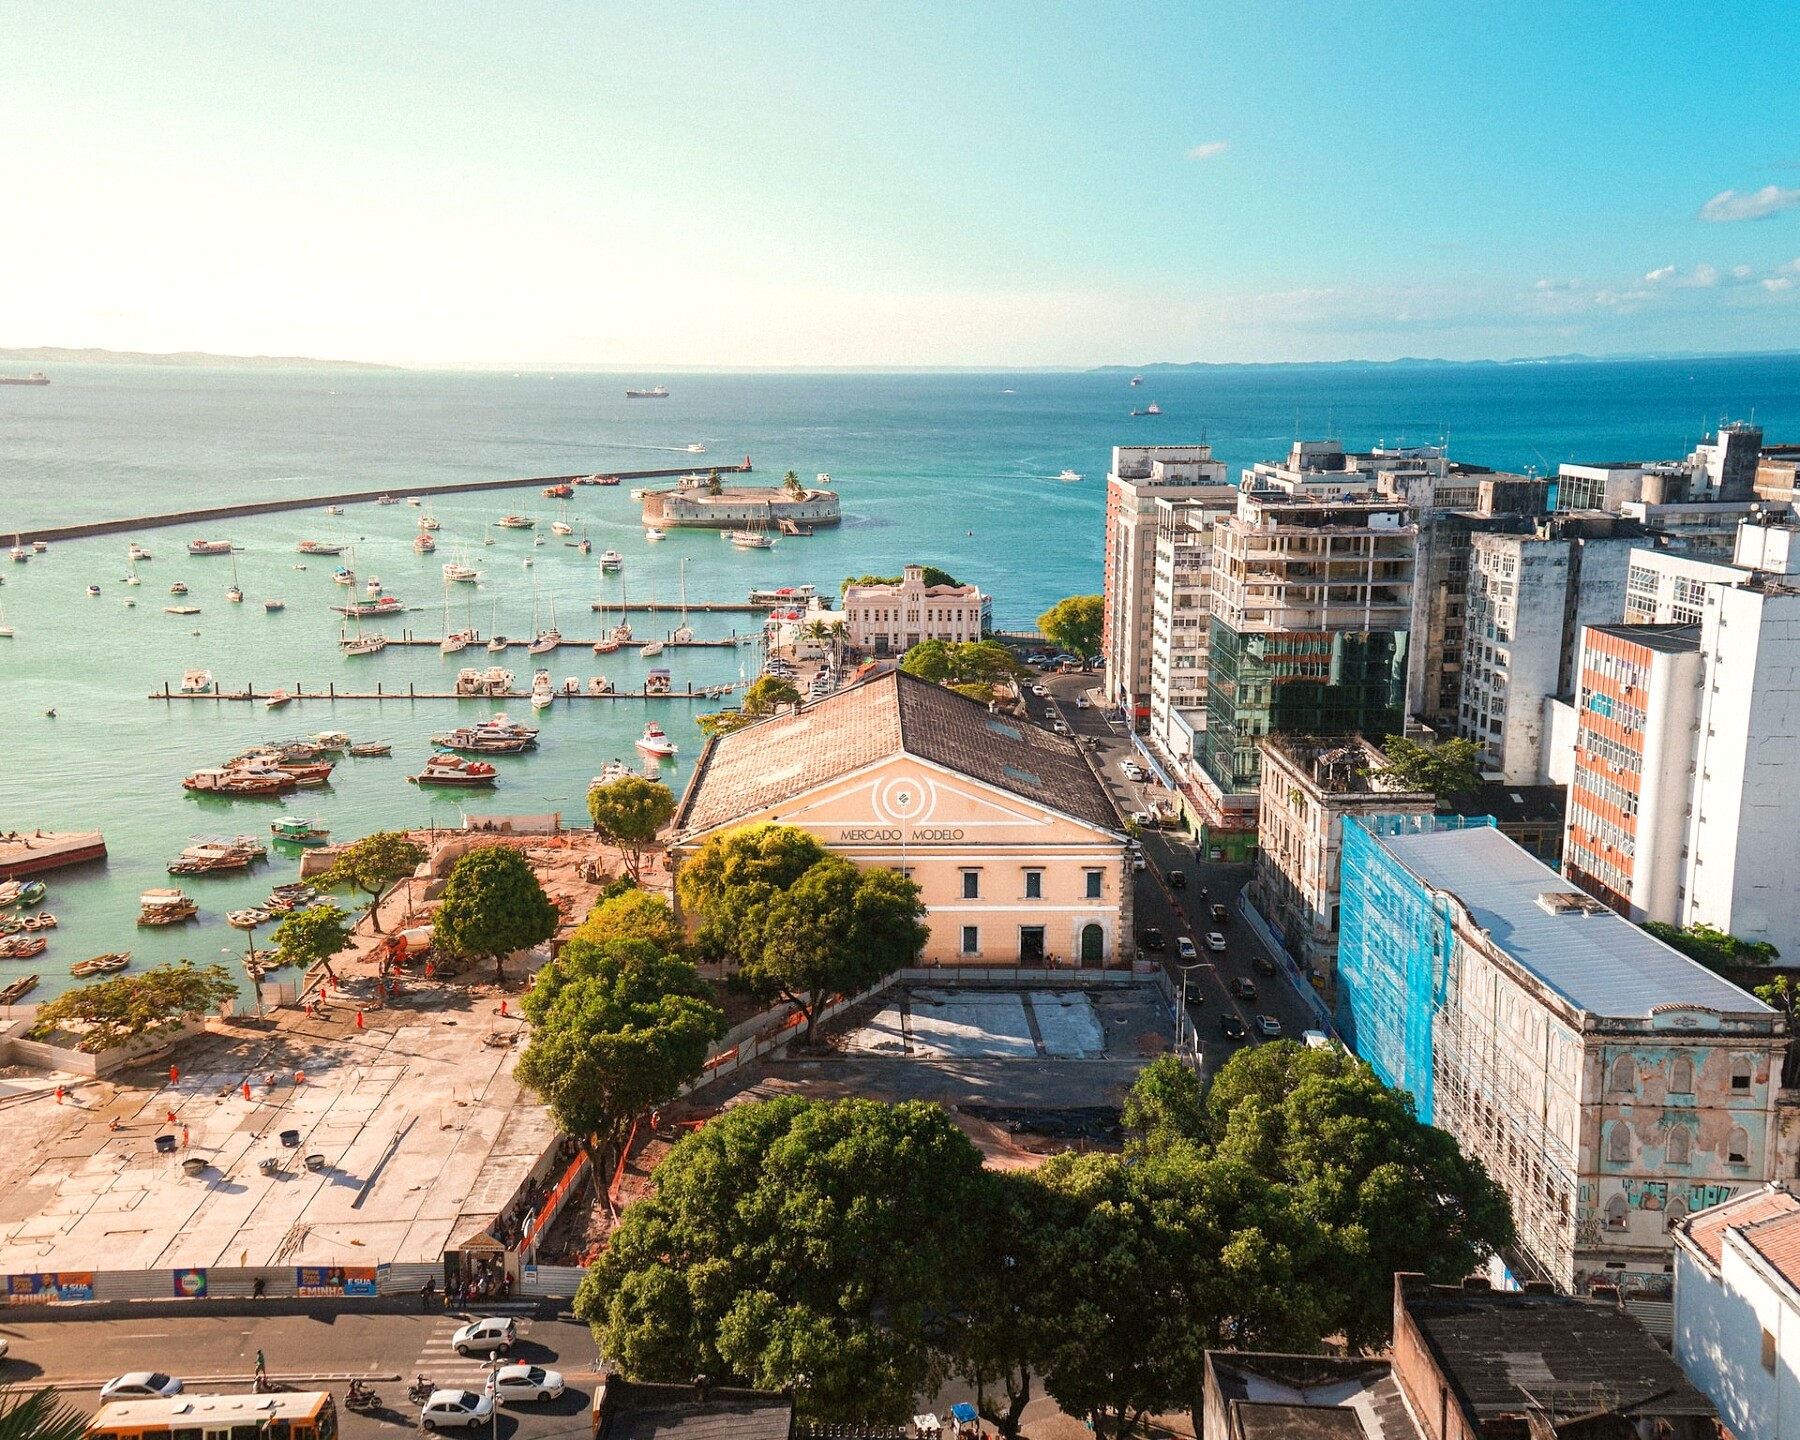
[[456, 1407], [1243, 988], [140, 1385], [1137, 860], [1152, 939], [1178, 879], [1268, 1025], [1184, 947], [1264, 965], [513, 1383], [1220, 915], [1133, 770], [1141, 819], [495, 1334], [1215, 942], [1233, 1028]]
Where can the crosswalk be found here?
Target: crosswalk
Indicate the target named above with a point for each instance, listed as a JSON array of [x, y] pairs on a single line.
[[446, 1369]]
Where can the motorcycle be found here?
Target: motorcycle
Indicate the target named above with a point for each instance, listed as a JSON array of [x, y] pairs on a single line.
[[420, 1390], [361, 1399]]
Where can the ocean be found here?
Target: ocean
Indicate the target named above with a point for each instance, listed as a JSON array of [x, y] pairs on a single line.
[[957, 470]]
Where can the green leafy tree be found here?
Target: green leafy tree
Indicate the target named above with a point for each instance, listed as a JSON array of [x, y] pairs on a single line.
[[372, 864], [1782, 994], [1074, 625], [39, 1414], [714, 485], [633, 915], [630, 812], [931, 575], [492, 905], [929, 660], [768, 694], [1165, 1105], [312, 936], [617, 1029], [791, 483], [111, 1012], [1451, 767], [733, 876], [1714, 948], [834, 931], [961, 662], [794, 1242]]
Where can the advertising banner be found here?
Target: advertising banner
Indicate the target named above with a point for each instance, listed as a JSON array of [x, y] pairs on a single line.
[[55, 1285], [190, 1284], [335, 1280]]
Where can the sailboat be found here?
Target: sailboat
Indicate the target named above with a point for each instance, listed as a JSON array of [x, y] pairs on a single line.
[[754, 536], [605, 645], [560, 525], [683, 634], [362, 644], [621, 633], [456, 640], [547, 640], [496, 641], [234, 594]]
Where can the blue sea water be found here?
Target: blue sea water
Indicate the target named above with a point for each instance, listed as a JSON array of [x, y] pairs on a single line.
[[958, 470]]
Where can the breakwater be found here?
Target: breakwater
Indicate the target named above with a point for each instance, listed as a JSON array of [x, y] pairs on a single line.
[[348, 497]]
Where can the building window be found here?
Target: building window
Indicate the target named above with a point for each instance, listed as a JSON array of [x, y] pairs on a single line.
[[1681, 1076], [1680, 1145], [1034, 884], [1093, 884], [1624, 1075], [1768, 1351], [1618, 1213], [1737, 1146], [971, 884], [971, 942], [1741, 1071], [1618, 1144]]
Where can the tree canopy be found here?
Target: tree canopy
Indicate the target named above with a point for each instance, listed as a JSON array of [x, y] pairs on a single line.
[[733, 876], [932, 576], [1074, 624], [798, 1242], [1451, 767], [961, 662], [617, 1029], [311, 936], [630, 812], [372, 864], [492, 906], [39, 1414], [111, 1012], [633, 915], [1714, 948]]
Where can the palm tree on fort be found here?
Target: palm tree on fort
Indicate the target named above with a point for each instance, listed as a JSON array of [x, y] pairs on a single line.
[[791, 483]]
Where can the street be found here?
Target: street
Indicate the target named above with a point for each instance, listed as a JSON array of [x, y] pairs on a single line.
[[319, 1350], [1176, 912]]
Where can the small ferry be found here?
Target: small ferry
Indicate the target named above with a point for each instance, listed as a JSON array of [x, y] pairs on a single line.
[[654, 742], [386, 500], [454, 770], [655, 392], [516, 522], [461, 574], [611, 560], [300, 832], [786, 595], [209, 547]]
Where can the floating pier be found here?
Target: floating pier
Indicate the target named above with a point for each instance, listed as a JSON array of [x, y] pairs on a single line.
[[411, 692], [22, 854], [422, 641]]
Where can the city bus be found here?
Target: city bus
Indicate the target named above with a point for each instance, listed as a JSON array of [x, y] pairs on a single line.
[[298, 1415]]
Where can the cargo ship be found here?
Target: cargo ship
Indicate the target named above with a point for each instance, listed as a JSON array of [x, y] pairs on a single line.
[[36, 377], [658, 392]]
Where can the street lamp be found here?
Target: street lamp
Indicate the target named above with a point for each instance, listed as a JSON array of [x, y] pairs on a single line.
[[1181, 1010]]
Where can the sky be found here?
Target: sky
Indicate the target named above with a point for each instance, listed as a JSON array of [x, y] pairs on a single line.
[[899, 183]]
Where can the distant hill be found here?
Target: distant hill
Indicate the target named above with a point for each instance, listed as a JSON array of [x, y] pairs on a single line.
[[57, 354]]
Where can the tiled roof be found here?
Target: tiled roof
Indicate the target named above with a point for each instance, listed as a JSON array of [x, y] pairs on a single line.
[[763, 764], [1777, 1240], [1706, 1228], [633, 1411]]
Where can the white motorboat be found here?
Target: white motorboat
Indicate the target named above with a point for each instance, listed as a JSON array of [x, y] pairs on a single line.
[[197, 682], [611, 560], [654, 742], [93, 590], [135, 551], [651, 649], [427, 522], [696, 448], [655, 534], [6, 631], [413, 500], [334, 509], [1070, 476], [542, 691]]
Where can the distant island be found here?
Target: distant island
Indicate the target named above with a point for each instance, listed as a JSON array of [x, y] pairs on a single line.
[[1421, 362], [57, 354]]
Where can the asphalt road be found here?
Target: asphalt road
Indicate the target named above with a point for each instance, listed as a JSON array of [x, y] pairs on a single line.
[[321, 1350], [1183, 911]]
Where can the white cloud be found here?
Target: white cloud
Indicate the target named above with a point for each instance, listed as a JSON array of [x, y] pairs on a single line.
[[1557, 285], [1212, 148], [1741, 272], [1618, 299], [1662, 272], [1791, 268], [1704, 277], [1730, 205], [1779, 282]]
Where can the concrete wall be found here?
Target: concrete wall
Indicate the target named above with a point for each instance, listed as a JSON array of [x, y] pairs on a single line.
[[1720, 1320]]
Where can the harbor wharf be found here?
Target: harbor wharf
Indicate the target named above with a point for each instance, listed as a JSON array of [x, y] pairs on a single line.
[[698, 607], [349, 497], [331, 692], [22, 854], [729, 643]]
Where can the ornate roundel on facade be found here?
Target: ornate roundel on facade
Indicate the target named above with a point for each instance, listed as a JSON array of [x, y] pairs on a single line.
[[905, 800]]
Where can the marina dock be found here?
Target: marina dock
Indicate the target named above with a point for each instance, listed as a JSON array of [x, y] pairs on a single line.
[[22, 854], [412, 692], [212, 514], [478, 643]]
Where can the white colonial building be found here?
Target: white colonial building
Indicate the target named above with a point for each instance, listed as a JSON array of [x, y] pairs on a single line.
[[891, 619]]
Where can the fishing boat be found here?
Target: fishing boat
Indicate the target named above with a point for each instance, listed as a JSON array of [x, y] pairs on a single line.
[[165, 907], [18, 990], [239, 780], [386, 500], [101, 964], [9, 892], [205, 859], [178, 588], [477, 740], [93, 590], [135, 552], [454, 770], [653, 534], [516, 522], [560, 491], [198, 682], [29, 892], [247, 919], [428, 522], [611, 560], [371, 749], [209, 547], [423, 544], [276, 699], [344, 575], [542, 692], [285, 899], [654, 742], [320, 547], [22, 947], [273, 605]]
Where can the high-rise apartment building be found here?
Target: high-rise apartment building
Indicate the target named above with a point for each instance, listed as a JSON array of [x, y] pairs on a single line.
[[1140, 476], [1312, 600], [1529, 598], [1609, 1084], [1181, 603]]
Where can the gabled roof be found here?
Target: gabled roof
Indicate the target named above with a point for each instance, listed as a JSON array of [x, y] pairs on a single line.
[[1777, 1240], [1705, 1229], [748, 770]]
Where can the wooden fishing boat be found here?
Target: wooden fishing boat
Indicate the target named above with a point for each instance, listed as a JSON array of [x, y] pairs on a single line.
[[22, 947], [100, 964], [18, 990]]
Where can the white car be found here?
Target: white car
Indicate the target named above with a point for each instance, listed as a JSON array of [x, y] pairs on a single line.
[[1134, 771], [456, 1407], [512, 1383], [1184, 948], [1137, 860], [496, 1334], [1060, 725], [1081, 702], [1040, 692], [140, 1385], [1215, 942]]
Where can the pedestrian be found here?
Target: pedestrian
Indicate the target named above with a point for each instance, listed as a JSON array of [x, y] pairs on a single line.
[[246, 1091], [359, 1020], [503, 1009], [59, 1094], [257, 1287], [262, 1370], [174, 1074], [425, 1292], [184, 1137]]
